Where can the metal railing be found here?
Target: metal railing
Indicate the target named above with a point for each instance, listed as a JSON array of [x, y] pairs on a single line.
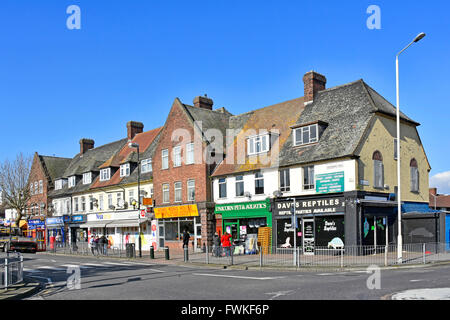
[[325, 257], [11, 270]]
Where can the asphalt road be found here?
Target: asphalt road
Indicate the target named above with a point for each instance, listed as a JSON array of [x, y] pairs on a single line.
[[106, 279]]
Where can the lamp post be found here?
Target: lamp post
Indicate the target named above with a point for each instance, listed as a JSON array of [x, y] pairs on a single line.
[[135, 145], [399, 203]]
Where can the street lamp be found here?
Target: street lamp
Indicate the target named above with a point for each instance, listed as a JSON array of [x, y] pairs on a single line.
[[136, 146], [399, 203]]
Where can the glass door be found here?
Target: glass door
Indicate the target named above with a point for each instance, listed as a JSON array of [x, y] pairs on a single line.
[[197, 234], [308, 236], [232, 227], [161, 234]]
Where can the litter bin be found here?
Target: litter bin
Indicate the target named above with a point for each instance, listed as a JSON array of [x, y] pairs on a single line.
[[130, 250]]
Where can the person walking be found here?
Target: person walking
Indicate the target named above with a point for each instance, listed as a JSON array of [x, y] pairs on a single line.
[[226, 243], [92, 245], [105, 245], [186, 237], [58, 239], [96, 241], [100, 245], [216, 244]]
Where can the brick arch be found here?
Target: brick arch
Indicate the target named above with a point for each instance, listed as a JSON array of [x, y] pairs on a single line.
[[377, 156]]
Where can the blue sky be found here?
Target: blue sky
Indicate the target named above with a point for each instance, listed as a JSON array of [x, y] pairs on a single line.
[[130, 59]]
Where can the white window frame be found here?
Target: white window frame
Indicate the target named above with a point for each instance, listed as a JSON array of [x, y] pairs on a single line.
[[286, 175], [236, 185], [378, 174], [105, 174], [302, 130], [35, 187], [58, 184], [125, 170], [165, 159], [258, 144], [310, 184], [76, 205], [87, 177], [258, 177], [223, 181], [41, 186], [110, 200], [178, 195], [190, 153], [166, 192], [72, 181], [100, 202], [176, 156], [146, 165], [190, 186]]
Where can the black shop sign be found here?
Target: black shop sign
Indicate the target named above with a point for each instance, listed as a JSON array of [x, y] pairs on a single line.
[[327, 205]]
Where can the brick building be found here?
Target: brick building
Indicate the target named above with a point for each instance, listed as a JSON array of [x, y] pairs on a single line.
[[184, 159]]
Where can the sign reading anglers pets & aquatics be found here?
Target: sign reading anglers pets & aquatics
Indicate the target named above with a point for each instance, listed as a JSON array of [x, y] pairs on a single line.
[[330, 182]]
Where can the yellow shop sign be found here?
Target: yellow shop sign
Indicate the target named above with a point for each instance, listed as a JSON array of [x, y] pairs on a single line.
[[176, 211]]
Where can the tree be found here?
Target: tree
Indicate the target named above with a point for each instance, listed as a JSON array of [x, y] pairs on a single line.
[[14, 184]]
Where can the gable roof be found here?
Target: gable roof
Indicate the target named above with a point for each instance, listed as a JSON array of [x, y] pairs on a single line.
[[53, 166], [277, 117]]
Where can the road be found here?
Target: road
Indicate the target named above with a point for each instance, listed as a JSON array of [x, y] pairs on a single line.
[[106, 279]]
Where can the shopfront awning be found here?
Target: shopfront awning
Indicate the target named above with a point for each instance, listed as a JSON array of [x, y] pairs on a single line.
[[124, 223], [95, 224], [112, 223]]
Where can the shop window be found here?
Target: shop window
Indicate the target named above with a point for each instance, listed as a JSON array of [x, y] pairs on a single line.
[[259, 183], [285, 183], [414, 172], [191, 190], [239, 186], [378, 170], [177, 188], [222, 188], [308, 178], [165, 159], [165, 190], [189, 225], [171, 230]]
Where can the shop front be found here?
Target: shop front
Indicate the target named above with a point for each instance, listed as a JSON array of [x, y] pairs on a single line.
[[76, 233], [320, 222], [172, 221], [55, 231], [120, 228], [36, 230], [245, 221]]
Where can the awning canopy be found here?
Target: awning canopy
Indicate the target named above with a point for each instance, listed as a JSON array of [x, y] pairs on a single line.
[[112, 223]]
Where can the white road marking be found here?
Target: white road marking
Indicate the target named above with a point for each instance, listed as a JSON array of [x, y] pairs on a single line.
[[237, 277], [417, 280], [423, 294], [279, 293], [117, 263], [52, 268]]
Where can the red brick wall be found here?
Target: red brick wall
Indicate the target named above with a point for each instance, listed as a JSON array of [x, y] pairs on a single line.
[[37, 174], [177, 120]]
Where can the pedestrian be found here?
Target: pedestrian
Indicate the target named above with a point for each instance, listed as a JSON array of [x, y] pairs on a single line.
[[105, 245], [186, 237], [216, 244], [58, 239], [92, 244], [100, 245], [97, 245], [226, 243]]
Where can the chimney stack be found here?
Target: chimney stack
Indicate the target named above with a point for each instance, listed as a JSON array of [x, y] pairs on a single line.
[[133, 128], [313, 82], [433, 191], [86, 144], [203, 102]]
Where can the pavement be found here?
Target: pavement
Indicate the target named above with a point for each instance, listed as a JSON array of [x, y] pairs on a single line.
[[22, 290]]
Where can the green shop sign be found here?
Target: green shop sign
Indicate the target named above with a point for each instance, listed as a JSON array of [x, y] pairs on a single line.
[[330, 182], [243, 209]]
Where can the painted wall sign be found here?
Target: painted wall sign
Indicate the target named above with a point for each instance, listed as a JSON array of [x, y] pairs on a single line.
[[248, 206], [330, 182], [176, 211]]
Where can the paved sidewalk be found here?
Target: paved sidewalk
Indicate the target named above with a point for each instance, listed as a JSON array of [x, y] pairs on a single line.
[[21, 290]]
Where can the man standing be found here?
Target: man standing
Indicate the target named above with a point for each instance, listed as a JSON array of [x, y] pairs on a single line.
[[216, 243], [226, 243], [186, 237]]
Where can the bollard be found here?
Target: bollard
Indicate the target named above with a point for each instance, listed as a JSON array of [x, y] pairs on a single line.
[[260, 257], [385, 256], [6, 274], [231, 254], [166, 253], [207, 254], [342, 257], [186, 254], [424, 258], [152, 252]]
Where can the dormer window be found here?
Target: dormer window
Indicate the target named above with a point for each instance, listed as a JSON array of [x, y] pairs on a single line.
[[258, 144], [72, 181], [58, 184], [125, 170], [105, 174], [306, 135], [146, 165], [87, 178]]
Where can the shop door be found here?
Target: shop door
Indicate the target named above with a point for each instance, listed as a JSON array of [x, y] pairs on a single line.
[[233, 229], [308, 236], [375, 233], [197, 236], [40, 240], [161, 235]]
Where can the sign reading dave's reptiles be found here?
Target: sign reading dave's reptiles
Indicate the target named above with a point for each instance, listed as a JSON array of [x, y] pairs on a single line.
[[310, 206]]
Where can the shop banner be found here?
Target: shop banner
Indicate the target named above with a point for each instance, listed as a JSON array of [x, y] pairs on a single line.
[[176, 211], [310, 206], [244, 209], [55, 221]]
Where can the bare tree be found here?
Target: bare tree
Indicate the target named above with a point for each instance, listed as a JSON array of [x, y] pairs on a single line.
[[14, 184]]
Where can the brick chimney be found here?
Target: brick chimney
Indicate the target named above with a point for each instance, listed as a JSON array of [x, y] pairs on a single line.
[[86, 144], [133, 128], [433, 191], [203, 102], [313, 82]]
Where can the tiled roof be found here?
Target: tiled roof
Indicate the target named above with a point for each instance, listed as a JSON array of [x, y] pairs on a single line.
[[277, 117], [442, 201], [55, 166]]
